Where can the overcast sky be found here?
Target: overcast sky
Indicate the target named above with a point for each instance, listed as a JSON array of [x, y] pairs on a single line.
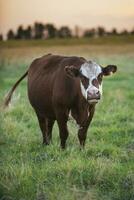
[[84, 13]]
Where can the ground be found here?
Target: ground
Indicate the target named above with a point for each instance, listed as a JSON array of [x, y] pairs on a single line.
[[104, 170]]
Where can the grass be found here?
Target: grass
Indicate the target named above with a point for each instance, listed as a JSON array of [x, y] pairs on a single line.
[[104, 170], [107, 40]]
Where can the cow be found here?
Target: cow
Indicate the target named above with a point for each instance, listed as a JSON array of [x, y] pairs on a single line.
[[63, 85]]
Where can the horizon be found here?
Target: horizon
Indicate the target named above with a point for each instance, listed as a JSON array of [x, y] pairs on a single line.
[[117, 14]]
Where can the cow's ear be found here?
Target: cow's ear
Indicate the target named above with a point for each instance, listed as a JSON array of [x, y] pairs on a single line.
[[72, 71], [109, 70]]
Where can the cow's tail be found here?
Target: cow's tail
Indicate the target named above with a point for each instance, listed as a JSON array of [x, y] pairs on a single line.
[[9, 95]]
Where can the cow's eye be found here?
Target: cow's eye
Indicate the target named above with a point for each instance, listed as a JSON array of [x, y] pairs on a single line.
[[95, 82], [85, 81]]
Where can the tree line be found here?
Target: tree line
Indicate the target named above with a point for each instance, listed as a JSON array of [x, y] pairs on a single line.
[[39, 31], [45, 31]]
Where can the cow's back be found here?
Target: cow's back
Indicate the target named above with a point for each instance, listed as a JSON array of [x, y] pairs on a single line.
[[49, 85]]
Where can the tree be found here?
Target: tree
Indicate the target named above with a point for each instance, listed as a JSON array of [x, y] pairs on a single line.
[[76, 30], [89, 33], [132, 32], [38, 30], [10, 35], [1, 37], [114, 31], [124, 32], [101, 31], [64, 32], [51, 29], [28, 32], [20, 33]]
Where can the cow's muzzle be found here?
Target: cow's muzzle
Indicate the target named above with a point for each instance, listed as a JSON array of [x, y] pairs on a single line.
[[93, 97]]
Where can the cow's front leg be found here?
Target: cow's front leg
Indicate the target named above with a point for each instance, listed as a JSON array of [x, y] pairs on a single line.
[[82, 132], [62, 117]]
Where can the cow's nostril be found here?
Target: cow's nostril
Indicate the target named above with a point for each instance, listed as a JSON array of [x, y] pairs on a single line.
[[93, 95], [89, 93]]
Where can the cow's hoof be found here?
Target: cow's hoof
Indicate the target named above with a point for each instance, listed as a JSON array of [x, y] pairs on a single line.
[[45, 143]]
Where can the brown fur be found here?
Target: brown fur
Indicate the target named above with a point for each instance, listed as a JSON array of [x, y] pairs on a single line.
[[53, 94]]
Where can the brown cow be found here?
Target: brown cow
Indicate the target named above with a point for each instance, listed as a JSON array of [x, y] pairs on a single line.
[[59, 85]]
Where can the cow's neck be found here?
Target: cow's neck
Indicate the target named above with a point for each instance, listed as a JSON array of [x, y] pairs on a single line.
[[81, 111]]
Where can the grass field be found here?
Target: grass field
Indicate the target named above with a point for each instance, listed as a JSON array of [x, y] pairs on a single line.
[[104, 170], [107, 40]]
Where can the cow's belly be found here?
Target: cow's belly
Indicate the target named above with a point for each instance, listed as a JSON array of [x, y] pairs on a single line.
[[40, 97]]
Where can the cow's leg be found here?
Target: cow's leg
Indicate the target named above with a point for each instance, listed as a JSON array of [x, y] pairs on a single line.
[[63, 132], [43, 123], [82, 132], [50, 126], [62, 117]]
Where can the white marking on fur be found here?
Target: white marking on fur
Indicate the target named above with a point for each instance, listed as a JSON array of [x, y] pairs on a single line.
[[100, 88], [93, 101], [15, 98], [73, 121], [111, 73], [83, 91], [91, 70]]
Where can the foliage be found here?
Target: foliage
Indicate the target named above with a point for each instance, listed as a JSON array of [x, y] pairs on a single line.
[[101, 31], [89, 33], [1, 37], [64, 32], [10, 35], [51, 29], [45, 31], [38, 30]]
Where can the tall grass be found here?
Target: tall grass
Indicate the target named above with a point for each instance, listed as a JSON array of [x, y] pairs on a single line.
[[104, 170]]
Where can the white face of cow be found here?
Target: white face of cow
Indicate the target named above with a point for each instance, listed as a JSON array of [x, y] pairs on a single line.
[[91, 81], [90, 75]]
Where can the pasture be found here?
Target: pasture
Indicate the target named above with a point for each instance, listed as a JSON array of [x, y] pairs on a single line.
[[104, 170]]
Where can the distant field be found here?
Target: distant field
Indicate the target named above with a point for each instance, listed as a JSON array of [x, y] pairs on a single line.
[[107, 40], [105, 169]]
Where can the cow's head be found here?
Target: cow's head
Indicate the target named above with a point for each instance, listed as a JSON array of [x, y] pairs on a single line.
[[91, 75]]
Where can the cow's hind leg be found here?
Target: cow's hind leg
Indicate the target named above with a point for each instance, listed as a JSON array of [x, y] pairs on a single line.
[[43, 126], [62, 117], [49, 128]]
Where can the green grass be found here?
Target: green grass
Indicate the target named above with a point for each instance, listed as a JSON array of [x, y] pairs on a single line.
[[107, 40], [104, 170]]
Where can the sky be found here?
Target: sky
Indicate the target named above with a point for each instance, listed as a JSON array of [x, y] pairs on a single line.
[[84, 13]]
